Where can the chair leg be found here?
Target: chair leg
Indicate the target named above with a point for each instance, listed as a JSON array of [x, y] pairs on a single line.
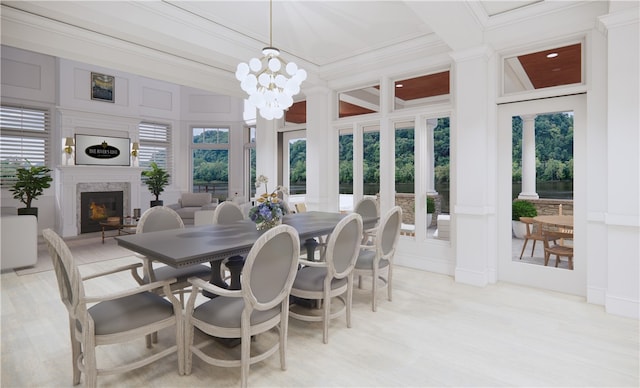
[[374, 289], [325, 317], [349, 300], [284, 329], [89, 358], [188, 342], [76, 349], [524, 245], [389, 281], [245, 357], [533, 248]]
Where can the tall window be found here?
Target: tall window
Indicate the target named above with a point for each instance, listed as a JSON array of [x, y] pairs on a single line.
[[346, 161], [297, 165], [210, 160], [250, 160], [371, 160], [155, 145], [24, 140]]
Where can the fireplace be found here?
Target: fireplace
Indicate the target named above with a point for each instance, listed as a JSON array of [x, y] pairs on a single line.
[[97, 206]]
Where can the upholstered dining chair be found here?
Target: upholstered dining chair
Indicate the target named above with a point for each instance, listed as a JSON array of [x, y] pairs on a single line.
[[164, 218], [533, 233], [260, 305], [113, 318], [226, 213], [332, 277], [376, 260], [368, 207]]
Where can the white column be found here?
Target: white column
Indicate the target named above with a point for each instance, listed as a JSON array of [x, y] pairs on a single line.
[[322, 152], [431, 176], [622, 217], [266, 148], [528, 158], [473, 236]]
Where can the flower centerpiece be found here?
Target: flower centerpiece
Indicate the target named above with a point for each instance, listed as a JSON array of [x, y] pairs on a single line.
[[269, 210]]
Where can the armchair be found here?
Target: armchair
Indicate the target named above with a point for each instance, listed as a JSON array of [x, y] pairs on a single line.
[[189, 203]]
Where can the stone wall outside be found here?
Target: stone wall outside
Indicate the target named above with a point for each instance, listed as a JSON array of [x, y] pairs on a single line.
[[544, 206]]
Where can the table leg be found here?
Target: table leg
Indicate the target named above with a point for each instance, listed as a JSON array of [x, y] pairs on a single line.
[[311, 244], [103, 234], [235, 264]]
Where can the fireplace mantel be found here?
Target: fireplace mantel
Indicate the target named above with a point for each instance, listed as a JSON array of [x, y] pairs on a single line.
[[69, 177]]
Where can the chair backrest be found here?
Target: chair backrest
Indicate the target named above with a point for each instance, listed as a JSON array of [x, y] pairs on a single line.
[[367, 207], [270, 267], [389, 232], [343, 246], [301, 207], [67, 274], [533, 227], [159, 218], [227, 212]]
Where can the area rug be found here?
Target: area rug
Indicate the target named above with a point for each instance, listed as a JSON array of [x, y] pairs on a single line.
[[84, 249]]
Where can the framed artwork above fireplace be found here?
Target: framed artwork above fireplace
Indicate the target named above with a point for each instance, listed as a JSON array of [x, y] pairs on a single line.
[[102, 150]]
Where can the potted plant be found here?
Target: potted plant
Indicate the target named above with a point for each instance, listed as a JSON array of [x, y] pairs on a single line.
[[521, 208], [431, 208], [157, 180], [30, 185]]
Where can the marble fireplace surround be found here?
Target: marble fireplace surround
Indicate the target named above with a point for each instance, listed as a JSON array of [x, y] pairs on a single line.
[[73, 180]]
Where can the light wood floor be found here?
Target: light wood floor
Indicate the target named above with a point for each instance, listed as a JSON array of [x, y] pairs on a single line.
[[434, 333]]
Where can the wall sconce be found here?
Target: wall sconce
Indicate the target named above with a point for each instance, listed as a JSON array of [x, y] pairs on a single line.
[[134, 149], [69, 144]]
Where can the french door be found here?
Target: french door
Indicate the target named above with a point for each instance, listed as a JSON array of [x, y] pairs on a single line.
[[532, 272]]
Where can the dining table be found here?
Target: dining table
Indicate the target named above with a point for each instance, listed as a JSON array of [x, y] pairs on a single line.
[[214, 243], [561, 221]]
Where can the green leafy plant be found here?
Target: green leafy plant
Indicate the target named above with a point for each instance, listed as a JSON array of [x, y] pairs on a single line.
[[31, 183], [431, 205], [157, 179], [522, 208]]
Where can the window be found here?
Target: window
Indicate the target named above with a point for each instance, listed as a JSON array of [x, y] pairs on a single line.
[[24, 139], [297, 164], [371, 159], [210, 161], [155, 145], [250, 160]]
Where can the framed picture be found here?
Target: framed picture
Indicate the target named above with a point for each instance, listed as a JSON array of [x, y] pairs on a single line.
[[102, 87], [102, 150]]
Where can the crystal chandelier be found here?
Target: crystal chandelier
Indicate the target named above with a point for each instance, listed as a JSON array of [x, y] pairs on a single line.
[[270, 82]]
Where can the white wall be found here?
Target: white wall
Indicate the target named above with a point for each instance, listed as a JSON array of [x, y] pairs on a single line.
[[31, 78]]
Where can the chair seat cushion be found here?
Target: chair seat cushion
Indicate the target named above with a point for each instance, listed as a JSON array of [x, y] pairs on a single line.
[[312, 279], [226, 312], [365, 260], [182, 274], [129, 312]]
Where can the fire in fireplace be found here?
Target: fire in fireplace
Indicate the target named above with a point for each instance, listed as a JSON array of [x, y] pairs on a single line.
[[96, 207]]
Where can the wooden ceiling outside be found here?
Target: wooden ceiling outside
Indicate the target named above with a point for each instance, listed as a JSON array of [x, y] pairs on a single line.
[[564, 69], [421, 87], [545, 72]]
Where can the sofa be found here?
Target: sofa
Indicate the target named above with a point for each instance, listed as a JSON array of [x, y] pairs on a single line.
[[189, 203]]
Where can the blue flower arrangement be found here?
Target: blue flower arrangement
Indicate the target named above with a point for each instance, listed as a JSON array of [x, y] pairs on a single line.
[[269, 211]]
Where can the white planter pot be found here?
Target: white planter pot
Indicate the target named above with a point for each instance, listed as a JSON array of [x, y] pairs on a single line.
[[519, 229]]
